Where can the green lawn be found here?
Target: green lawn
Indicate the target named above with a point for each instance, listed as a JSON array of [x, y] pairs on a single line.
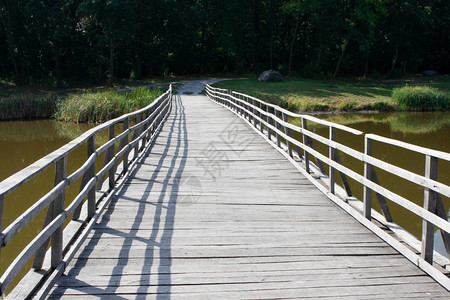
[[319, 95]]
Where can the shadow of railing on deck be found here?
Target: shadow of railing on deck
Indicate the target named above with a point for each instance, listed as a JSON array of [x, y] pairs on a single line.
[[162, 222]]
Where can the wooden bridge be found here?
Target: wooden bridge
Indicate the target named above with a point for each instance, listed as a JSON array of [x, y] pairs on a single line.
[[190, 202]]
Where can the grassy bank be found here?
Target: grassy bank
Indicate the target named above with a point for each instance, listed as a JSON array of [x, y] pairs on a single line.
[[26, 106], [100, 106], [318, 95], [75, 104]]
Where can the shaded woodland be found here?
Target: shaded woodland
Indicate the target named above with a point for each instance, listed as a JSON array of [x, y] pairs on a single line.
[[60, 42]]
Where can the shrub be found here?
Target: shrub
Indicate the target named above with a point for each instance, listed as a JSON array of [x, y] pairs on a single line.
[[420, 98]]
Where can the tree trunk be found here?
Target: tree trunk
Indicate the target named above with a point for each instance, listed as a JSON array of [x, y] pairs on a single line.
[[202, 53], [271, 48], [322, 17], [339, 61], [394, 60], [366, 65], [111, 63], [57, 66], [10, 43], [291, 50], [319, 55], [404, 61]]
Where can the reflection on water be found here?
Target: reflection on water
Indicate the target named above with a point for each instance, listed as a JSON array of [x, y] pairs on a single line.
[[406, 123]]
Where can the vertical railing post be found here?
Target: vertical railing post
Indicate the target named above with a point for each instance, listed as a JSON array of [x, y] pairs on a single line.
[[269, 122], [260, 118], [332, 155], [111, 153], [429, 203], [277, 125], [125, 142], [91, 174], [367, 194], [305, 143], [247, 106], [136, 134], [287, 133], [255, 121], [58, 207]]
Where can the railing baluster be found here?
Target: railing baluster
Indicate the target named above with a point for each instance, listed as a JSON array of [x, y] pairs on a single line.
[[367, 211], [111, 152], [305, 142], [276, 113], [135, 135], [332, 156], [123, 143], [260, 118], [52, 210], [287, 132], [269, 122], [58, 207], [429, 203], [91, 174]]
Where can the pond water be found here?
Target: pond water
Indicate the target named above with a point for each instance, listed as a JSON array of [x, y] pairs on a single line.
[[22, 143]]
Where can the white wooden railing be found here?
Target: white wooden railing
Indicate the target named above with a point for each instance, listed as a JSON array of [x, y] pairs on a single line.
[[141, 126], [298, 145]]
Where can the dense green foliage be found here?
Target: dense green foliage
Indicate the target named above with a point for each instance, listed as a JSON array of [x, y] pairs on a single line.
[[62, 41], [100, 106], [25, 106], [421, 98]]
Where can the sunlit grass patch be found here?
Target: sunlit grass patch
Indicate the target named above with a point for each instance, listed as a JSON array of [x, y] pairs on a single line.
[[421, 98], [100, 106]]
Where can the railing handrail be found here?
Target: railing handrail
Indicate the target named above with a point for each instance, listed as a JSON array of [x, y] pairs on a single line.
[[274, 124], [148, 120], [307, 117]]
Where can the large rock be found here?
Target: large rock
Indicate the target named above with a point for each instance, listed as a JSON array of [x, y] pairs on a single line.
[[270, 75], [429, 73]]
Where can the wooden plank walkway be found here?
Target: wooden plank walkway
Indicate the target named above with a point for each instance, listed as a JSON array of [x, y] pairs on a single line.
[[214, 211]]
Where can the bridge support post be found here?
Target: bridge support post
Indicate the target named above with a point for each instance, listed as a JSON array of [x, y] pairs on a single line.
[[91, 174], [429, 203], [269, 122], [111, 153], [332, 156], [278, 126], [367, 195], [124, 143], [287, 131], [305, 143], [58, 207]]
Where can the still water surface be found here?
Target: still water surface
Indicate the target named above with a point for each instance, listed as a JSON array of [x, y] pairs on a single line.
[[22, 143]]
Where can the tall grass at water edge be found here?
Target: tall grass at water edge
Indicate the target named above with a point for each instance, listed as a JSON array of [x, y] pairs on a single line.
[[97, 107], [421, 98], [25, 106]]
